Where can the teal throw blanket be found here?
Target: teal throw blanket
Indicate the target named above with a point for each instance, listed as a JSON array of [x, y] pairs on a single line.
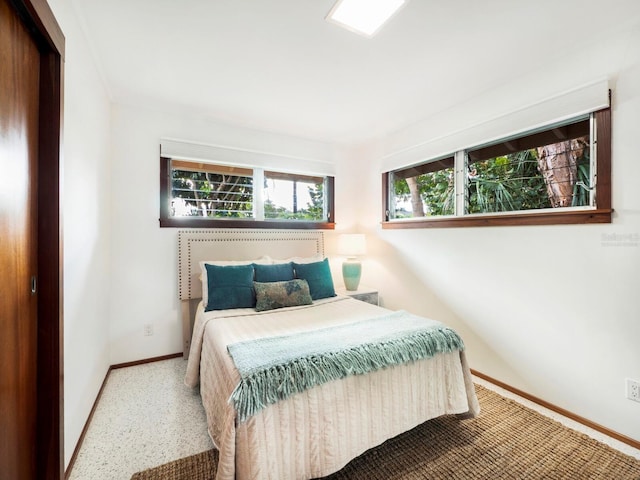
[[275, 368]]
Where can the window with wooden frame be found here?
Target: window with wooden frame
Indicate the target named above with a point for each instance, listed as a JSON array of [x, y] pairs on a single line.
[[558, 174], [200, 194]]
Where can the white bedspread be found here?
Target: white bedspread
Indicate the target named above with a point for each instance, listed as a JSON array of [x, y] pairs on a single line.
[[315, 433]]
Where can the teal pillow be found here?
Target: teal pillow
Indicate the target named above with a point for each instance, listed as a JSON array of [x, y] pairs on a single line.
[[281, 272], [318, 276], [273, 295], [230, 287]]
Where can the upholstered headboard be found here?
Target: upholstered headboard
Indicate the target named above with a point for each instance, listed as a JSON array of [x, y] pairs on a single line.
[[195, 246]]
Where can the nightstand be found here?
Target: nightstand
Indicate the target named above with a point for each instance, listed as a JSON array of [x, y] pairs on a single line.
[[364, 294]]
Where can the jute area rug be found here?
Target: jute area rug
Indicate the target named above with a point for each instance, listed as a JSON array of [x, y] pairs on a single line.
[[507, 441]]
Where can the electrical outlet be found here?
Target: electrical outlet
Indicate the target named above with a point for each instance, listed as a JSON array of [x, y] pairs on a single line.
[[633, 390], [148, 329]]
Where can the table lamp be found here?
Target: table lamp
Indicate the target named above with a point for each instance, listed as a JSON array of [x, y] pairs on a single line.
[[351, 245]]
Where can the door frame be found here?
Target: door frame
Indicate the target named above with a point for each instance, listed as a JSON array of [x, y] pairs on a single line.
[[38, 18]]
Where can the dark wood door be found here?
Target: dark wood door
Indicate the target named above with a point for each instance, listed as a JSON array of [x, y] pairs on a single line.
[[19, 107], [31, 380]]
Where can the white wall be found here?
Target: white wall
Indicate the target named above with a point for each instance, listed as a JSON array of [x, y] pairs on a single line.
[[550, 310], [86, 226], [143, 286]]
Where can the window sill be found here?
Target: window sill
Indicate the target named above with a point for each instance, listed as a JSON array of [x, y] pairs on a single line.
[[542, 218], [186, 222]]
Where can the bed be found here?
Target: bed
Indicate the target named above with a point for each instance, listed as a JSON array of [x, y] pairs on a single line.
[[315, 431]]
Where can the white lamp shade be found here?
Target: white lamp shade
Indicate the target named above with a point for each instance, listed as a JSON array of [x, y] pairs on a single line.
[[352, 244]]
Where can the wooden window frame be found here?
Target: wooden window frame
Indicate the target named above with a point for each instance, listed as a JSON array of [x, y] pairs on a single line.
[[601, 214], [166, 220]]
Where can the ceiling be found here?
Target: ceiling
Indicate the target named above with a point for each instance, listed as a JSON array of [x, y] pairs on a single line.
[[279, 66]]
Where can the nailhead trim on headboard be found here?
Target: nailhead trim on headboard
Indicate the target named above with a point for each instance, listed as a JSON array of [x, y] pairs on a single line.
[[262, 242]]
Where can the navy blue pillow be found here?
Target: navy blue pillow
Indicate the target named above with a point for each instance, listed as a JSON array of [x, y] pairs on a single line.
[[280, 272], [230, 286], [318, 276]]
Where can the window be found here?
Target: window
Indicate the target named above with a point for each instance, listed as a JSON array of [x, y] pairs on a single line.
[[216, 191], [294, 197], [558, 174], [198, 194], [425, 190], [548, 169]]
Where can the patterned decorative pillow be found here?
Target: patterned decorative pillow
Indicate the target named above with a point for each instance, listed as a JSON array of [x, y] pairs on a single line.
[[272, 295]]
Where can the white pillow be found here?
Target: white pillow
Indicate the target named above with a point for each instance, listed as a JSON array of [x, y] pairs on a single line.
[[264, 260], [315, 258]]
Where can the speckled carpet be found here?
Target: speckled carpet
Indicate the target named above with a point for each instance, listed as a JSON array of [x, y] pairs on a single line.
[[507, 441]]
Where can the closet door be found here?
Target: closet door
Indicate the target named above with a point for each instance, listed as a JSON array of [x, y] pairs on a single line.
[[19, 100], [31, 49]]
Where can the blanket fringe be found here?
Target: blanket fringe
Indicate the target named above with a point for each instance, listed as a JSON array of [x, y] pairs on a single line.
[[280, 382]]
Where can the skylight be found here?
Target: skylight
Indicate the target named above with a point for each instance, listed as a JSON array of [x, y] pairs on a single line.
[[364, 17]]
